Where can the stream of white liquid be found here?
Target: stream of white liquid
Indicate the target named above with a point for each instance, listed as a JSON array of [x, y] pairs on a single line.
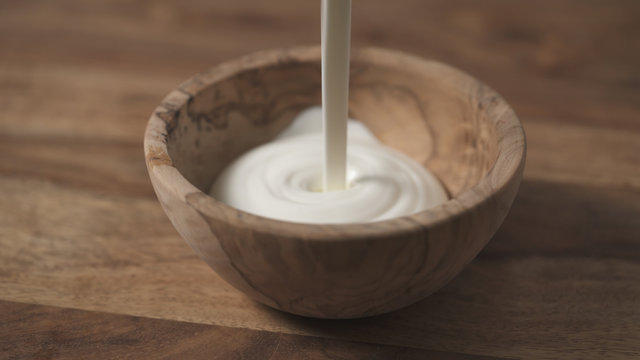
[[323, 168], [336, 35], [282, 179]]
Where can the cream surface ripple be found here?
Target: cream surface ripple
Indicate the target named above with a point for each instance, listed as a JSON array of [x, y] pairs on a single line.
[[282, 179]]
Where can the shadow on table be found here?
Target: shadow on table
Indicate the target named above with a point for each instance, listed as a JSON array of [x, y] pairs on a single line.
[[532, 282]]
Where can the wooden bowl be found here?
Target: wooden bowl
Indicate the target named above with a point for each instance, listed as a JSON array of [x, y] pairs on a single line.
[[456, 126]]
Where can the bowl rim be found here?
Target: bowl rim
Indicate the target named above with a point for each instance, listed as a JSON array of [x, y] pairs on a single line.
[[509, 160]]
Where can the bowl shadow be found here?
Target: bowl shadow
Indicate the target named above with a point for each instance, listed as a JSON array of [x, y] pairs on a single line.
[[524, 288]]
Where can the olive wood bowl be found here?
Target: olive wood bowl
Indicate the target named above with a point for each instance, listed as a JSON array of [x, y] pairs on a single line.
[[459, 128]]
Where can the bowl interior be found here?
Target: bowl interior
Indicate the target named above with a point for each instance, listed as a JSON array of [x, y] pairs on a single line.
[[427, 110]]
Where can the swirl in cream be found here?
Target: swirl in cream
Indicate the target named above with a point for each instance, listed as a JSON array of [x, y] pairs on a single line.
[[282, 179]]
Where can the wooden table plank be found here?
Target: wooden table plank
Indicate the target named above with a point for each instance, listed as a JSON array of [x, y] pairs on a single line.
[[559, 60], [80, 227], [43, 332]]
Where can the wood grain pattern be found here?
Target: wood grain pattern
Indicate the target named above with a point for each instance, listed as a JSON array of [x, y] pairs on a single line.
[[41, 332], [457, 127], [558, 280]]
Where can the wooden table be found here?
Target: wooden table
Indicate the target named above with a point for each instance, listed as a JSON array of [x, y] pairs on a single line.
[[90, 267]]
